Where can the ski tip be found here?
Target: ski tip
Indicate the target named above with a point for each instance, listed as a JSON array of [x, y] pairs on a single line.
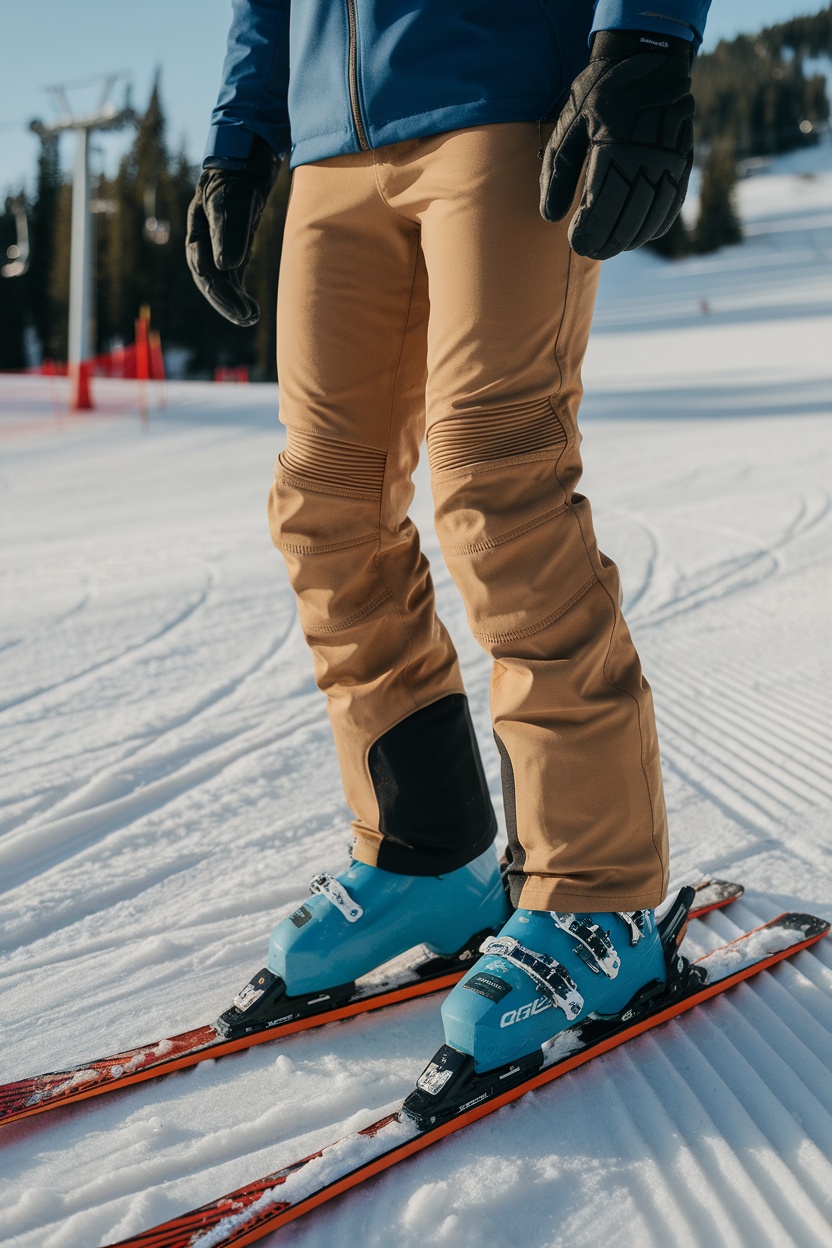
[[714, 892], [808, 925], [727, 888]]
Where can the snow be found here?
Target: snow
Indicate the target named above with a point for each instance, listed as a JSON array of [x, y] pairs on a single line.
[[169, 787]]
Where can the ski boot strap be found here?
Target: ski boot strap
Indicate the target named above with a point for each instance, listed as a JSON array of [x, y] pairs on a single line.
[[634, 922], [550, 977], [595, 947], [334, 891]]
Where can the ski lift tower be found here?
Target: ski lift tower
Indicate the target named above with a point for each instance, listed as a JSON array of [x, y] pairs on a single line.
[[107, 116]]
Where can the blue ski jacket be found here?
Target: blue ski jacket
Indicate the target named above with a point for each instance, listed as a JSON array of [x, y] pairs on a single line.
[[329, 77]]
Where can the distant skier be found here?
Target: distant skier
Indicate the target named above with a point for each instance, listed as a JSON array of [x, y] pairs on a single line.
[[428, 286]]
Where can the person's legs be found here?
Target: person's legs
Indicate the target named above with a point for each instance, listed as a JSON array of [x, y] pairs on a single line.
[[352, 323], [510, 312]]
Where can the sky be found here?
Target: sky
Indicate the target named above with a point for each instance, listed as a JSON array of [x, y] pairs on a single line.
[[54, 42]]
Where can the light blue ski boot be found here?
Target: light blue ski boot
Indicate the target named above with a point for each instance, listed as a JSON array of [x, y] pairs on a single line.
[[360, 919], [547, 971], [544, 973]]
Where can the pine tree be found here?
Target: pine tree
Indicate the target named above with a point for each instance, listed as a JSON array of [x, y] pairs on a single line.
[[12, 298], [142, 255], [58, 277], [46, 314], [718, 224], [133, 270]]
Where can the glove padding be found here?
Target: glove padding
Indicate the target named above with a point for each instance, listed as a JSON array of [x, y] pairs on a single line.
[[222, 220], [630, 118]]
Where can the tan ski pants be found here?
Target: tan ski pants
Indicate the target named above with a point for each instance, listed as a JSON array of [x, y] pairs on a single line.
[[421, 292]]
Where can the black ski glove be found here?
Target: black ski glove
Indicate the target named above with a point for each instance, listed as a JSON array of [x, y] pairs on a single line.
[[630, 117], [222, 220]]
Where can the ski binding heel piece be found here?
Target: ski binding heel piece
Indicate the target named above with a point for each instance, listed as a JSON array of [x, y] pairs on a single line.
[[264, 1003], [681, 975], [672, 930]]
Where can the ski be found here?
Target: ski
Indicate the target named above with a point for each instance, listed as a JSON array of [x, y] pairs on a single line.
[[261, 1207], [248, 1027]]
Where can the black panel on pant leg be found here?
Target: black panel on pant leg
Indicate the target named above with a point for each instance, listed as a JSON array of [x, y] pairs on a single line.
[[514, 875], [434, 806]]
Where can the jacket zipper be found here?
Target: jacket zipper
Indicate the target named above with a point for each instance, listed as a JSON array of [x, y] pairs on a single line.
[[355, 104]]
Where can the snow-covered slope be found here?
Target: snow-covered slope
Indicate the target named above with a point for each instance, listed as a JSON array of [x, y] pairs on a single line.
[[168, 787]]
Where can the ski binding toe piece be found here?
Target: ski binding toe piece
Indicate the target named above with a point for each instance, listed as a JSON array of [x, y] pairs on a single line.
[[264, 1003]]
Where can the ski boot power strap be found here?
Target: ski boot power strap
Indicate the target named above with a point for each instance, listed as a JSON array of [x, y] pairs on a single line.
[[595, 948], [550, 977], [634, 923], [331, 888]]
